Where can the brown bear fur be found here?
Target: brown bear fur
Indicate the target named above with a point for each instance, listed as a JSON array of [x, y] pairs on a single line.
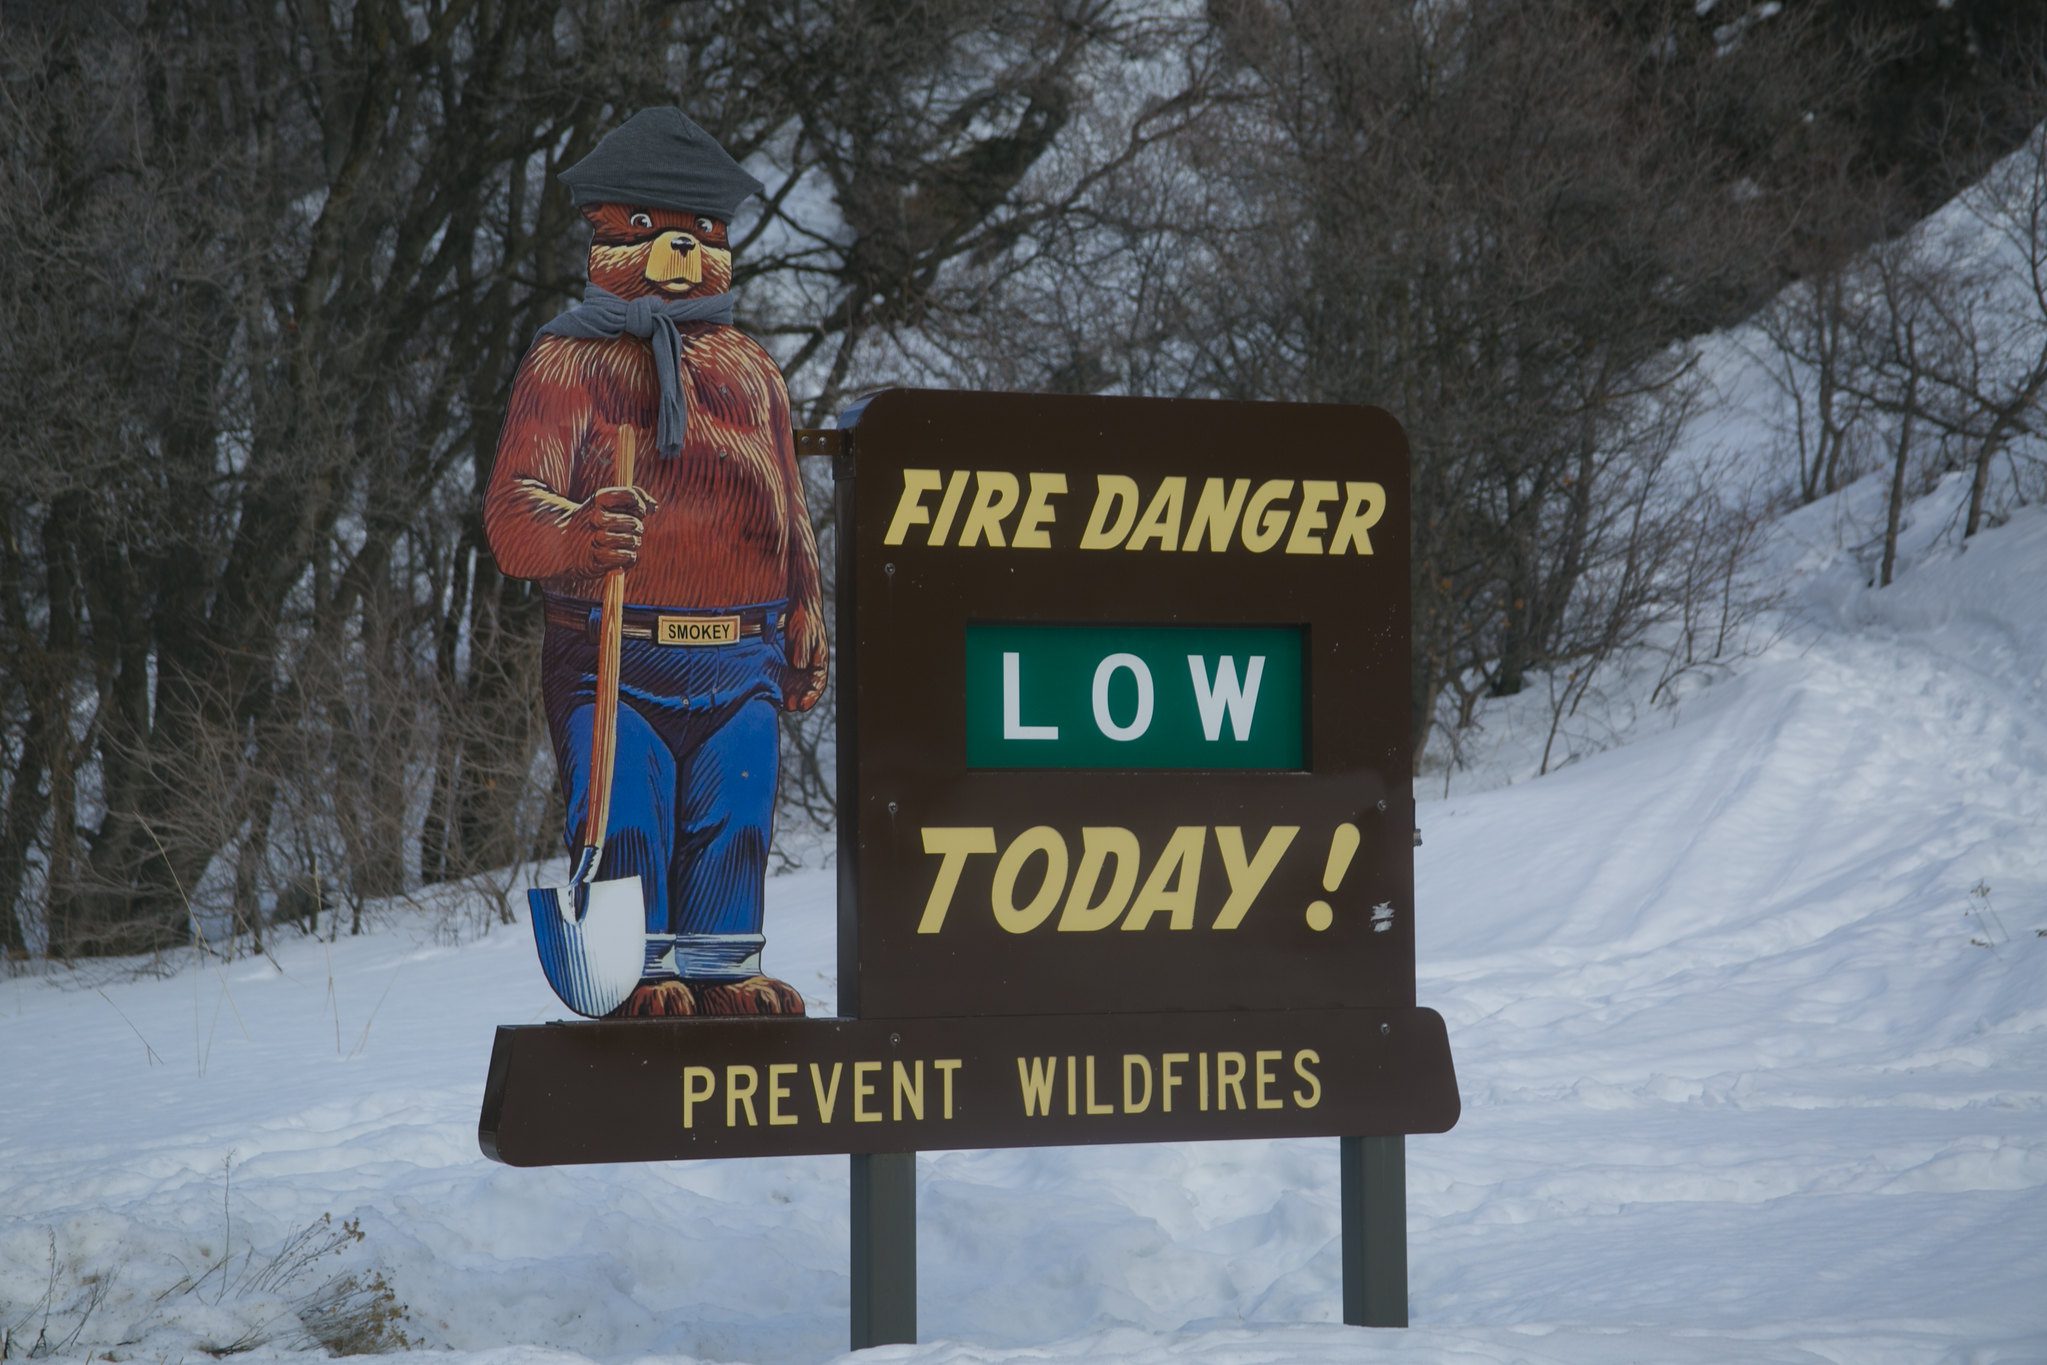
[[727, 526]]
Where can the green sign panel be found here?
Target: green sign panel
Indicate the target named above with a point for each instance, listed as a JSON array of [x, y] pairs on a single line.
[[1131, 697]]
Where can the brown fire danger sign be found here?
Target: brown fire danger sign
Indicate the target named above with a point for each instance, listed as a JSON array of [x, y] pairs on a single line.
[[1125, 810], [1124, 689]]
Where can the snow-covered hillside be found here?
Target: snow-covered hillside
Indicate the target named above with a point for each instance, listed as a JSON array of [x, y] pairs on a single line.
[[1750, 1017]]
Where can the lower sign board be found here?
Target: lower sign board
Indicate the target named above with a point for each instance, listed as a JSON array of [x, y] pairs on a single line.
[[664, 1090]]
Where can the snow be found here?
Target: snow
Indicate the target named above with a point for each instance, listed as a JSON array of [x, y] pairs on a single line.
[[1748, 998], [1750, 1017]]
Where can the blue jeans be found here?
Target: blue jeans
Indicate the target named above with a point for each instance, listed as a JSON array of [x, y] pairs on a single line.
[[693, 786]]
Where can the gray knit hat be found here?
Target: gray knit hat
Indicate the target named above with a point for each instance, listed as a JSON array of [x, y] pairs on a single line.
[[658, 159]]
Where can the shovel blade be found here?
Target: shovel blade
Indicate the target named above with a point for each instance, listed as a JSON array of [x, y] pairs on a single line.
[[593, 962]]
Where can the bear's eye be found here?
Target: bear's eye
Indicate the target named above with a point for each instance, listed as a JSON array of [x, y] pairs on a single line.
[[706, 226], [641, 220]]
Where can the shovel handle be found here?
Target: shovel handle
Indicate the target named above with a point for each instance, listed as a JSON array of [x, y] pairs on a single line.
[[604, 715]]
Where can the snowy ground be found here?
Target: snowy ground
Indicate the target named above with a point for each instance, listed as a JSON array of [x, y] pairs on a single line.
[[1751, 1072]]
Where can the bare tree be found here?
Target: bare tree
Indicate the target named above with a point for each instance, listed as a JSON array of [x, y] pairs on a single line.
[[300, 252], [1471, 216], [273, 266], [2003, 380], [1807, 351]]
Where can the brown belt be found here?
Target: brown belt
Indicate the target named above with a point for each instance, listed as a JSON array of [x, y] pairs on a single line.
[[664, 627]]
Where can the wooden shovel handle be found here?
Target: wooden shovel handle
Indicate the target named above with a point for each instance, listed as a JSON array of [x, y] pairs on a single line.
[[604, 717]]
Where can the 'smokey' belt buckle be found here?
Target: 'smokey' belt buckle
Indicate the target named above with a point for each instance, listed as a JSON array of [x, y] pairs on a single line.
[[696, 630]]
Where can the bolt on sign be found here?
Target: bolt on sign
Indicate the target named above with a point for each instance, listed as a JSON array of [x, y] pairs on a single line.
[[1125, 811]]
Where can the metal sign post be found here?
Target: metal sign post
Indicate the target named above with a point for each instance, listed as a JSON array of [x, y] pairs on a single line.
[[1373, 1193], [884, 1254], [882, 1187]]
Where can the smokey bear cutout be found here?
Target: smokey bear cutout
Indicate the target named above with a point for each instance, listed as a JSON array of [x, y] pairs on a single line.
[[721, 626]]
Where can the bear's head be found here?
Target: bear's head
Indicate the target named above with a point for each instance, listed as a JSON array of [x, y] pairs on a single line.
[[636, 252]]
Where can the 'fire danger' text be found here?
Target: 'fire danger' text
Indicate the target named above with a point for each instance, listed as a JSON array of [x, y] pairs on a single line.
[[1215, 515]]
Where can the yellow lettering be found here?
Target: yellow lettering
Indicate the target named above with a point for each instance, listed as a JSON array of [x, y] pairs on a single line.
[[1099, 843], [1247, 877], [737, 1094], [1169, 1080], [995, 495], [1314, 492], [1072, 1104], [910, 509], [827, 1096], [1367, 504], [1270, 521], [948, 508], [693, 1093], [1034, 1075], [1037, 839], [946, 1066], [1173, 880], [1135, 1064], [1201, 1079], [1161, 520], [1266, 1080], [778, 1091], [1092, 1107], [954, 845], [1311, 1097], [1115, 494], [912, 1089], [1038, 512], [1216, 512], [1229, 1076], [863, 1091]]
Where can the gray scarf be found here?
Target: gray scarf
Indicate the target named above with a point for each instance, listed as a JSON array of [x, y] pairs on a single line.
[[604, 314]]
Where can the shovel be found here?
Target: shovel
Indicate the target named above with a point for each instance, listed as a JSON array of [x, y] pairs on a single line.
[[592, 935]]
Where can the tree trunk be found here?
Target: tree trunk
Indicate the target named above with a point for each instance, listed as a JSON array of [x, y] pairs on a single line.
[[495, 720], [2001, 430], [21, 818], [249, 863], [1904, 455]]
